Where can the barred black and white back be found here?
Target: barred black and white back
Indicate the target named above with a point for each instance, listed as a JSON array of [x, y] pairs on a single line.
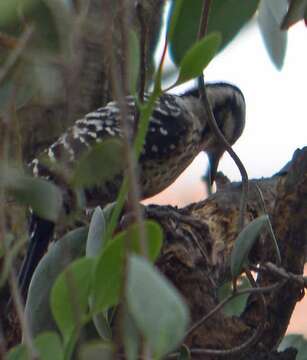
[[178, 131]]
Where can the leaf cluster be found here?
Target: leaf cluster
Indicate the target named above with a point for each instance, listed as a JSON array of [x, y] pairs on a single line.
[[94, 276]]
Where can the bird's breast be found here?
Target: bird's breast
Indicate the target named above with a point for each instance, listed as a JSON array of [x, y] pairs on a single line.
[[157, 175]]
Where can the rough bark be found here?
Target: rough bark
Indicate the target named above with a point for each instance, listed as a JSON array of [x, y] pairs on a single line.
[[196, 256], [83, 70]]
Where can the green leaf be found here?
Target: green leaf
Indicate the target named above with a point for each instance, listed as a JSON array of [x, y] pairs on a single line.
[[96, 238], [269, 20], [299, 342], [108, 272], [244, 243], [48, 346], [198, 57], [18, 352], [9, 9], [235, 306], [184, 353], [156, 306], [102, 325], [69, 297], [174, 18], [44, 197], [296, 12], [226, 17], [51, 21], [96, 232], [102, 163], [97, 351], [134, 61], [58, 257]]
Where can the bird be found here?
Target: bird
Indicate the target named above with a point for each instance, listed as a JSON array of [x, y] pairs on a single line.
[[178, 131]]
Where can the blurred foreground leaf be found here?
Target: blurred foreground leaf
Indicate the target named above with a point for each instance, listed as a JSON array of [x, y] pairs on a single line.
[[198, 57], [58, 257], [227, 17], [156, 306], [42, 196], [48, 346], [69, 297], [96, 351], [108, 273], [100, 164], [275, 40]]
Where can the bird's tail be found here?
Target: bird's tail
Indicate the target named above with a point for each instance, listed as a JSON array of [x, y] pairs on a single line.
[[41, 232]]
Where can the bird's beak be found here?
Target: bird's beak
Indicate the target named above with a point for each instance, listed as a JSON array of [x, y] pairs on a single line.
[[214, 159]]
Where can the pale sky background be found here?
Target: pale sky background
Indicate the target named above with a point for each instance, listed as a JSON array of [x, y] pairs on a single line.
[[276, 100], [276, 110]]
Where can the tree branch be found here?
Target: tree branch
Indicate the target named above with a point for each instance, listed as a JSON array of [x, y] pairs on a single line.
[[199, 273]]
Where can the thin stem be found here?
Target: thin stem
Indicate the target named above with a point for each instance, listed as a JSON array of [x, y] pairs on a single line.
[[143, 51], [262, 290], [237, 349], [17, 300], [282, 273], [273, 237], [146, 112], [217, 132], [213, 125], [119, 94], [16, 54], [204, 19]]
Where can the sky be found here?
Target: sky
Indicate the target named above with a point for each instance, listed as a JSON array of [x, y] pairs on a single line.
[[275, 100], [276, 110]]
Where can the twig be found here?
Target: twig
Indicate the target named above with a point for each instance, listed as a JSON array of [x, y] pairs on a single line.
[[143, 50], [12, 280], [262, 290], [273, 237], [282, 273], [143, 63], [263, 310], [232, 351], [204, 19], [139, 141], [15, 55], [213, 125], [119, 94], [17, 300], [131, 180], [217, 132]]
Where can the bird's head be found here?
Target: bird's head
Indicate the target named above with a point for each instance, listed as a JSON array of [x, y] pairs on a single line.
[[228, 106]]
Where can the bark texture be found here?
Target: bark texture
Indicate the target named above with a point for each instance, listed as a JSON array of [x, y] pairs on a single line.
[[196, 257]]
